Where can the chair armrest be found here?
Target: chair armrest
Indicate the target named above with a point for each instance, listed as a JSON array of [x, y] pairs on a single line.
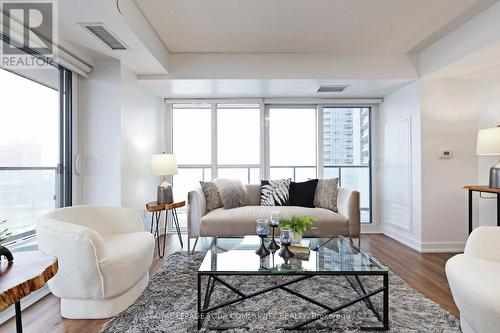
[[484, 243], [79, 250], [105, 220], [348, 206], [196, 207]]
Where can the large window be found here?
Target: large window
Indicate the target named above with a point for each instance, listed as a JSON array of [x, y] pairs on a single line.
[[292, 142], [192, 133], [346, 151], [251, 142], [238, 142], [191, 138], [33, 146], [215, 140]]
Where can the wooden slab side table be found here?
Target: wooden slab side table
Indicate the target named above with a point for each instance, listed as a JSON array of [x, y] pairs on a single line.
[[156, 209], [482, 189], [28, 272]]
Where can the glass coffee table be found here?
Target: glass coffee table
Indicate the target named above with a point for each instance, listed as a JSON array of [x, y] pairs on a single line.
[[328, 256]]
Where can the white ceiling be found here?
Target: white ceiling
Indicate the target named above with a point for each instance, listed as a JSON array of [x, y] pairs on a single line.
[[269, 88], [78, 41], [482, 62], [332, 26]]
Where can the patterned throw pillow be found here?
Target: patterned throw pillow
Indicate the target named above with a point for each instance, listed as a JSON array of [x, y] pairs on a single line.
[[232, 193], [275, 192], [212, 195], [326, 194]]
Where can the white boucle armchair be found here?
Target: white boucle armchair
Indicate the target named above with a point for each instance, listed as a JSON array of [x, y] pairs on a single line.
[[474, 278], [104, 258]]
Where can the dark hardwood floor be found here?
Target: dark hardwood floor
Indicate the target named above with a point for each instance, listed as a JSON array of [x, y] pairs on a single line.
[[424, 272]]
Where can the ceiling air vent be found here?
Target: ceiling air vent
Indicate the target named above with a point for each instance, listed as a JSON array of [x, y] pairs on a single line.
[[102, 32], [332, 88]]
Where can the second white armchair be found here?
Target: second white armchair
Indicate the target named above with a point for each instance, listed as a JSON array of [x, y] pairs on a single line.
[[104, 258], [474, 278]]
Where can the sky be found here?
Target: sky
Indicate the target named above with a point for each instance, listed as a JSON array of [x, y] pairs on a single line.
[[29, 116]]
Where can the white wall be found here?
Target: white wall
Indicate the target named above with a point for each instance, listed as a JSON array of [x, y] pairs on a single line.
[[122, 127], [450, 111], [142, 124], [400, 165], [487, 100], [101, 148], [445, 114]]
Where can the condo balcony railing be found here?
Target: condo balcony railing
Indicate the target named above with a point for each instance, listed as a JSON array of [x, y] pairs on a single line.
[[25, 193]]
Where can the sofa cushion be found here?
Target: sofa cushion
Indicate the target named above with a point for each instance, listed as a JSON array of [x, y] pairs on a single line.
[[118, 275], [253, 194], [241, 221]]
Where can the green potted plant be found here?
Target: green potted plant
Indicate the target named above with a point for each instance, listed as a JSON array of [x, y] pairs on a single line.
[[297, 225], [4, 252]]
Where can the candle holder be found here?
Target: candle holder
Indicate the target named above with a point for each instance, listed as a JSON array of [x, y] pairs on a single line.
[[286, 240], [262, 232], [285, 253], [273, 223]]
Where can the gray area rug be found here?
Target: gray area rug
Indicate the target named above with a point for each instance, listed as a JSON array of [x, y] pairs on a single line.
[[169, 304]]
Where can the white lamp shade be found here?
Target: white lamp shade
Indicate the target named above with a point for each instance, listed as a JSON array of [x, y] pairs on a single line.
[[488, 141], [163, 165]]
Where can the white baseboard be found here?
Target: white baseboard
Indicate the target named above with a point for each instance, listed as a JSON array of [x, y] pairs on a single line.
[[402, 238], [436, 247], [424, 247]]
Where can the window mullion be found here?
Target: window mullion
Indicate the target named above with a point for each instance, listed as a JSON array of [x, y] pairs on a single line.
[[319, 142], [214, 140], [265, 150]]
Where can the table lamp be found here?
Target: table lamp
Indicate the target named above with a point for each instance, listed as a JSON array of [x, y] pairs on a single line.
[[488, 143], [164, 165]]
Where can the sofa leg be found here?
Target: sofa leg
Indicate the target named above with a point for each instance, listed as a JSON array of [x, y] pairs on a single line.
[[189, 244], [359, 241], [194, 246]]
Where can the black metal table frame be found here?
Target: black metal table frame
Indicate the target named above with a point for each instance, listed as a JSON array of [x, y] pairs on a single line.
[[213, 277], [156, 217], [19, 320], [471, 227]]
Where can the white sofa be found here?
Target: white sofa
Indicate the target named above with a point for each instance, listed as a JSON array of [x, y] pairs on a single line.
[[237, 222], [104, 258], [474, 279]]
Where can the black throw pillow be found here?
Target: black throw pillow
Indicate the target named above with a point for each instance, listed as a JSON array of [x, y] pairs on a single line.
[[302, 194]]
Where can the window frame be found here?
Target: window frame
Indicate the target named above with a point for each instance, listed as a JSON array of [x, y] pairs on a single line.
[[370, 144], [267, 147], [265, 143], [63, 170], [215, 156]]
